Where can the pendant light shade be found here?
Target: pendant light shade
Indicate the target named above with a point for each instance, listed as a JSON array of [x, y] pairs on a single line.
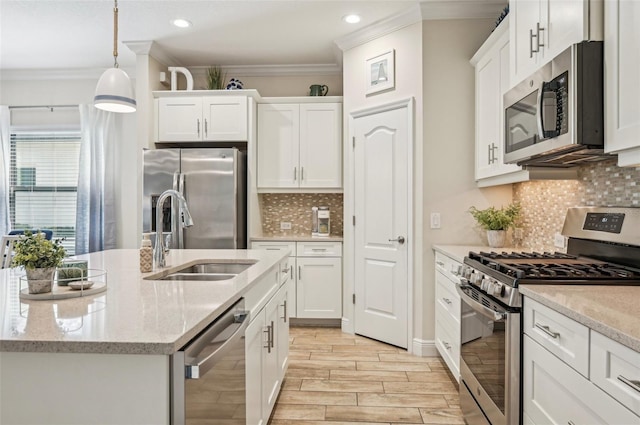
[[114, 92]]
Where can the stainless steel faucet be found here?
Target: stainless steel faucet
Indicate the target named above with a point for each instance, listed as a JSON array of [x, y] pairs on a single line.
[[159, 253]]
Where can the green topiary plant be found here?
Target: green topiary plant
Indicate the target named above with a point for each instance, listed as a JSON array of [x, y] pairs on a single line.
[[34, 251], [497, 219], [216, 78]]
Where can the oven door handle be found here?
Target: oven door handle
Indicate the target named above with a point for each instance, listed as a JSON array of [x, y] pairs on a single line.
[[496, 316]]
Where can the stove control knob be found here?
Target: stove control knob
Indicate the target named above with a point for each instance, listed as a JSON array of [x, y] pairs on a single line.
[[476, 278], [486, 285]]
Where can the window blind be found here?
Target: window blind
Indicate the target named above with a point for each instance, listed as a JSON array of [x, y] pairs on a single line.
[[44, 182]]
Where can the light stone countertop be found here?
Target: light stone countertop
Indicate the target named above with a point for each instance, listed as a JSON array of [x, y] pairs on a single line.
[[133, 316], [613, 311], [296, 238], [458, 252]]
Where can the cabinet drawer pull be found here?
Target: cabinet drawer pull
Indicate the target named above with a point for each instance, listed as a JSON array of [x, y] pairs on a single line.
[[272, 338], [531, 43], [570, 423], [299, 272], [635, 384], [206, 128], [198, 122], [267, 331], [489, 152], [295, 174], [301, 173], [440, 263], [318, 249], [546, 330], [291, 272], [446, 345], [447, 300], [284, 305]]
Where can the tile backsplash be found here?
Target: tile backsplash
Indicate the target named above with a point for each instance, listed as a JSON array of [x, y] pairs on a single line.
[[295, 208], [545, 203]]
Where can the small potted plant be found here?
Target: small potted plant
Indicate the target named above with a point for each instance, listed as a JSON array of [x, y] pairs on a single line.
[[40, 257], [497, 221]]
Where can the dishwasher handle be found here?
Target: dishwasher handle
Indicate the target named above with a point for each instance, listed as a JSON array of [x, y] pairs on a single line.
[[201, 365]]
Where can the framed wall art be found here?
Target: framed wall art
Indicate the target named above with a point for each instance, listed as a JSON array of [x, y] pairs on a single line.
[[380, 72]]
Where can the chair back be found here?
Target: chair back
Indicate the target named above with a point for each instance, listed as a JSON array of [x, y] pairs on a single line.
[[6, 250], [48, 234]]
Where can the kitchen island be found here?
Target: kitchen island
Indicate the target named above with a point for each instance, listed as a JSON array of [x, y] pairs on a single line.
[[105, 358]]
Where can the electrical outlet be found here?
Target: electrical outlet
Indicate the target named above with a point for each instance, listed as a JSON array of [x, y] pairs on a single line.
[[435, 220], [559, 241], [285, 225]]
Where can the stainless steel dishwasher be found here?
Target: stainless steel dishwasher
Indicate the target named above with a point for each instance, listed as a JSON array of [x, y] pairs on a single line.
[[208, 374]]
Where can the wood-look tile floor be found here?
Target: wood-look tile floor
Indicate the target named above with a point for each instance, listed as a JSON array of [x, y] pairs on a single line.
[[338, 379]]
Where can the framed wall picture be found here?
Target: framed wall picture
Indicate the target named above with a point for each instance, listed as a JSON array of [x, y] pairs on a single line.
[[380, 72]]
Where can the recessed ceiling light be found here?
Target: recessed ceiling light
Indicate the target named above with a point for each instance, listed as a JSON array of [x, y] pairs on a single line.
[[351, 19], [181, 23]]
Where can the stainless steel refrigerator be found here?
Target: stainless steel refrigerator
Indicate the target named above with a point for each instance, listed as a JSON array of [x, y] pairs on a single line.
[[213, 181]]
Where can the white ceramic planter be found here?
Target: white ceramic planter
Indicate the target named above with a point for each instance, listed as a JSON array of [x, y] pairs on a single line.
[[40, 280], [496, 238]]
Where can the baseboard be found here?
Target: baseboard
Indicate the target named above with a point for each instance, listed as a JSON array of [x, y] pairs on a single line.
[[424, 348], [347, 326], [327, 323]]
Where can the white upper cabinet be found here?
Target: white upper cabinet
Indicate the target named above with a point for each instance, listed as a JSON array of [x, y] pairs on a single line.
[[622, 91], [202, 118], [492, 80], [541, 29], [299, 146]]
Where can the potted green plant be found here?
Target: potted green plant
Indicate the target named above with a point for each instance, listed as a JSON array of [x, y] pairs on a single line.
[[497, 221], [40, 257], [216, 78]]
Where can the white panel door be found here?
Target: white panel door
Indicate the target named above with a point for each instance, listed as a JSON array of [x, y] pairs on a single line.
[[278, 145], [381, 172], [321, 145]]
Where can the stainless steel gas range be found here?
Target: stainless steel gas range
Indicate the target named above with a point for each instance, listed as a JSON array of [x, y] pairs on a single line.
[[603, 249]]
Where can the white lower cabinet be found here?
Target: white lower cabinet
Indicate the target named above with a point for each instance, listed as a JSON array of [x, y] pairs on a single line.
[[554, 392], [316, 277], [448, 313], [267, 356]]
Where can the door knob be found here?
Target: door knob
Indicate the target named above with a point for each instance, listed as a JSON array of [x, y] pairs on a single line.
[[399, 239]]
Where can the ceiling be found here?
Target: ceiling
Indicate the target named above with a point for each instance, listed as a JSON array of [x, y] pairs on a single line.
[[72, 34]]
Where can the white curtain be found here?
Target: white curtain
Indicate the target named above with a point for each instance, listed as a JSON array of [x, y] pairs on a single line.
[[96, 215], [5, 122]]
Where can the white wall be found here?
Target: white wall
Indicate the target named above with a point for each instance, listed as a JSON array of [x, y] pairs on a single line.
[[449, 186], [407, 43], [77, 91]]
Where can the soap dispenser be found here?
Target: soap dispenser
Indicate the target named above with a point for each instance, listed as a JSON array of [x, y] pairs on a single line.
[[146, 254]]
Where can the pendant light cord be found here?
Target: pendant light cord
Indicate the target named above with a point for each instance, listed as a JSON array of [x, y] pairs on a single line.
[[115, 35]]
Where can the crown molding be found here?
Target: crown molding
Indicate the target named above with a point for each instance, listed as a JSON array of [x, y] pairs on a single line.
[[423, 11], [478, 9], [57, 74], [151, 48], [272, 70], [380, 28]]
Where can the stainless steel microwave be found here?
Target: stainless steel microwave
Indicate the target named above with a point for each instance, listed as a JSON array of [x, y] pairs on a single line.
[[555, 118]]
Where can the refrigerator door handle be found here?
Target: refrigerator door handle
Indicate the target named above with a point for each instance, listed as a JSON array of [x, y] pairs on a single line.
[[180, 229]]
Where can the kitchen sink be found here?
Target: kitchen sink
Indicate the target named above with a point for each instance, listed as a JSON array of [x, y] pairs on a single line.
[[209, 271]]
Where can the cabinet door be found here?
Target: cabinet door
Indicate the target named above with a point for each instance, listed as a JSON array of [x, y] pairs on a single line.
[[254, 343], [319, 292], [488, 111], [282, 328], [321, 145], [566, 22], [525, 15], [225, 118], [622, 68], [278, 143], [271, 378], [180, 119], [553, 393]]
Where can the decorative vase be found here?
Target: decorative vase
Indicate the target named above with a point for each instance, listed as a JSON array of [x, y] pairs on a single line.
[[40, 280], [496, 238]]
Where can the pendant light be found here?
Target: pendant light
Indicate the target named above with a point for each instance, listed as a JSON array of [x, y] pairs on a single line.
[[114, 92]]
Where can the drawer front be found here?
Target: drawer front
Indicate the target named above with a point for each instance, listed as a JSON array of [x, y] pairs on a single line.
[[448, 299], [554, 393], [319, 249], [562, 336], [448, 345], [275, 246], [616, 369], [447, 265]]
